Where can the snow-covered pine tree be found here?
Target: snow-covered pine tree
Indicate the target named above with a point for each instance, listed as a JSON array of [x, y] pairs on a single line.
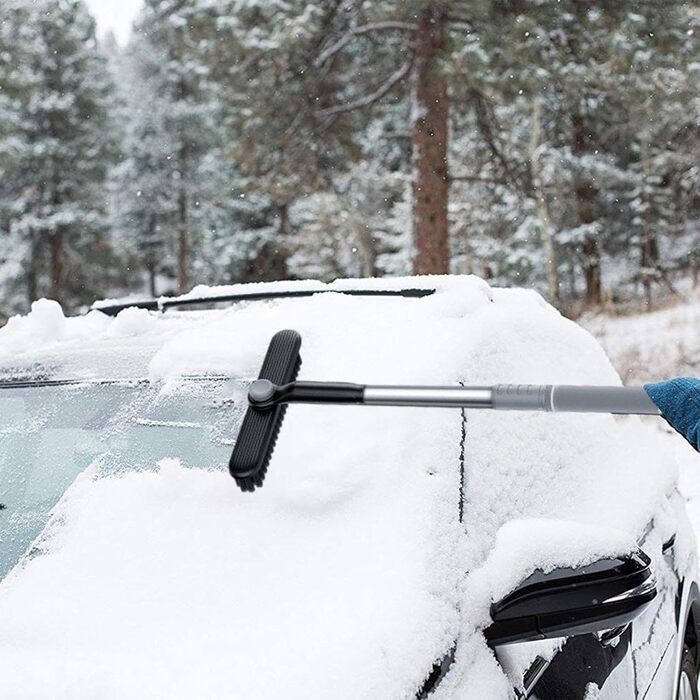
[[263, 54], [584, 68], [53, 197], [171, 128], [145, 208], [189, 214], [312, 76], [662, 49], [18, 285], [366, 218]]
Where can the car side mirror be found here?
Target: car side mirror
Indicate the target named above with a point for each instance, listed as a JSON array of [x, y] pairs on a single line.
[[603, 595]]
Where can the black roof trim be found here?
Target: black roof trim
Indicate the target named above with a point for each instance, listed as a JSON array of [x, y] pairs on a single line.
[[163, 304]]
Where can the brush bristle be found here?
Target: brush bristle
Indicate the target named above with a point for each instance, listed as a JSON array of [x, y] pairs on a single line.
[[250, 483], [260, 429]]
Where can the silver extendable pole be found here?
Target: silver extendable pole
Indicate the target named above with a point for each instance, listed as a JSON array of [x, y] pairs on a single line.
[[447, 396], [518, 397]]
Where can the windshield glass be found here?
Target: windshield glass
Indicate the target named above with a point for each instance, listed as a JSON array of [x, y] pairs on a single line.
[[49, 434]]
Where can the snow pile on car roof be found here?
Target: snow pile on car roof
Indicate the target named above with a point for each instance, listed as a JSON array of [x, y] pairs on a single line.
[[350, 572]]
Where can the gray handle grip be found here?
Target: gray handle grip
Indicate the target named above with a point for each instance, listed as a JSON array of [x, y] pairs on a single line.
[[603, 399], [522, 397], [574, 399]]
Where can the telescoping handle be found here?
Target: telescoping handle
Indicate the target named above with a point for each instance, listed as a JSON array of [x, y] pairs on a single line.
[[519, 397], [276, 387], [508, 397]]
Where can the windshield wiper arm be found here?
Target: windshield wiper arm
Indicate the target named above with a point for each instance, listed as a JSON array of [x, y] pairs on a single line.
[[168, 303]]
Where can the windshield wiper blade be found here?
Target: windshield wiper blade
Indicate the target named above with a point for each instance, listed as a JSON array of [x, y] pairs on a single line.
[[167, 303]]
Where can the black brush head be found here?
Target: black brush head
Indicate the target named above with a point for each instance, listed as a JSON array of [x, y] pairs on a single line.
[[258, 435]]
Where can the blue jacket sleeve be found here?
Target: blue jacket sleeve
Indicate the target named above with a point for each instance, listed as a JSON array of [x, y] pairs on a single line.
[[679, 402]]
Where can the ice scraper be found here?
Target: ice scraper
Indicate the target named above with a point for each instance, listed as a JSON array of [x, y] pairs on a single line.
[[276, 387]]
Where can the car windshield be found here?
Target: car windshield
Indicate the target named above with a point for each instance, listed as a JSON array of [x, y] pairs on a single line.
[[50, 433]]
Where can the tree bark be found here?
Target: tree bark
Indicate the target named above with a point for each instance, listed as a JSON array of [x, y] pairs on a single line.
[[649, 258], [591, 271], [271, 261], [184, 165], [542, 208], [280, 247], [650, 261], [283, 220], [151, 269], [585, 193], [56, 251], [429, 124], [366, 249], [32, 275], [183, 243], [151, 263]]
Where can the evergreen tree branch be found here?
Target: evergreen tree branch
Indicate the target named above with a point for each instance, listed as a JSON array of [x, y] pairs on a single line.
[[488, 127], [474, 178], [341, 43], [396, 77]]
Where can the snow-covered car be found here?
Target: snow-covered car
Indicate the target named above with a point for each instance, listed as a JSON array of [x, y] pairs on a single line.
[[392, 553]]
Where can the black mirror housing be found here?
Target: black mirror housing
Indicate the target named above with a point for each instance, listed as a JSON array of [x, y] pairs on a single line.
[[565, 602]]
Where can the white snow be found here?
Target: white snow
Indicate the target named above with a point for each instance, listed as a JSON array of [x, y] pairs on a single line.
[[651, 346], [349, 573], [44, 324], [174, 584]]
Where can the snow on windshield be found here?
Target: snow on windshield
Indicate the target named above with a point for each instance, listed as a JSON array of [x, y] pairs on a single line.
[[350, 572], [51, 433]]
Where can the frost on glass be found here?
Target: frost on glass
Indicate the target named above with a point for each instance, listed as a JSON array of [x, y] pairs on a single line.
[[50, 434]]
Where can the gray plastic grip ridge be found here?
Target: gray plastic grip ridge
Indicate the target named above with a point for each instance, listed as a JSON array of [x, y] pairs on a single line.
[[522, 397], [602, 399]]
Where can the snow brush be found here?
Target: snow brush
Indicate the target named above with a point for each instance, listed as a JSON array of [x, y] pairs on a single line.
[[276, 387]]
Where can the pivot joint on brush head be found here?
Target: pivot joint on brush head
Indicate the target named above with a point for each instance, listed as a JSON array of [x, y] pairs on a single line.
[[263, 394]]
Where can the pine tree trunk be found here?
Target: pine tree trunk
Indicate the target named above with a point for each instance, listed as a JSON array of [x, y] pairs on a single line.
[[32, 274], [585, 195], [151, 268], [542, 208], [183, 248], [271, 261], [56, 251], [650, 261], [429, 143], [280, 250], [368, 254], [571, 278], [591, 271], [649, 257], [151, 264]]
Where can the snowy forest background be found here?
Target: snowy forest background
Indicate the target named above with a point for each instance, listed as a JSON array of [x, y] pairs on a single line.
[[545, 143]]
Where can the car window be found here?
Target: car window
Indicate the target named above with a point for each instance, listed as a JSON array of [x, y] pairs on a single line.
[[49, 434]]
